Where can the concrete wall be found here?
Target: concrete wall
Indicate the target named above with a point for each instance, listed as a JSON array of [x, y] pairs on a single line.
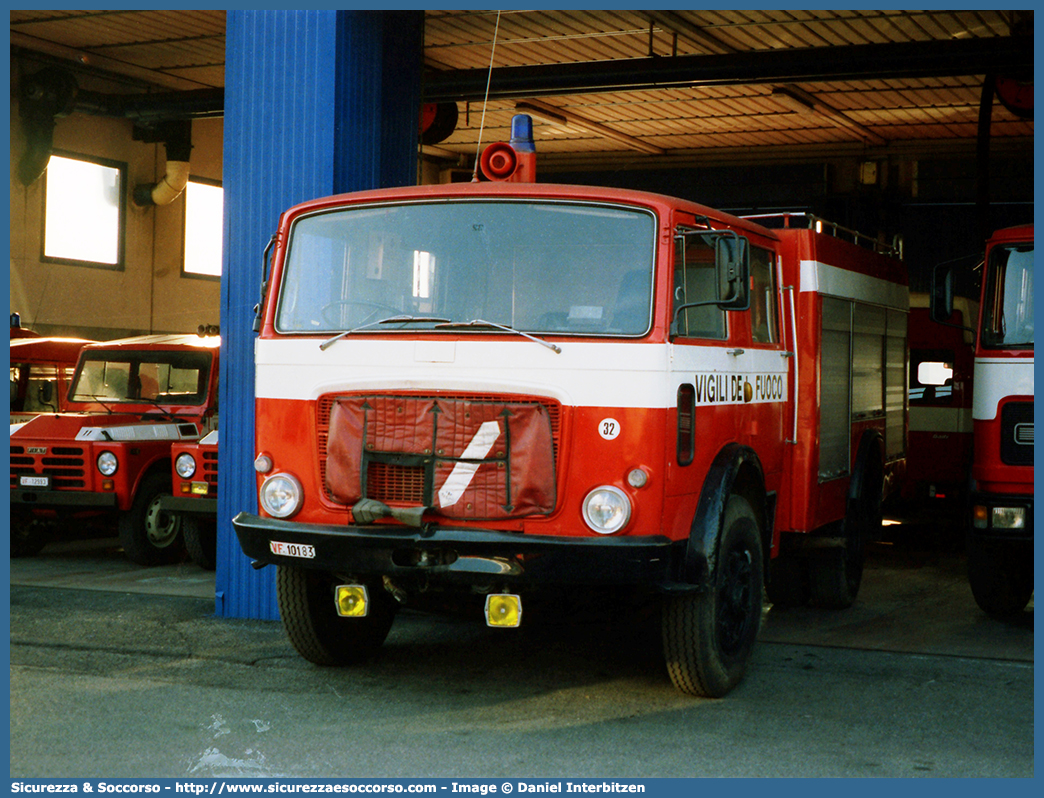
[[150, 293]]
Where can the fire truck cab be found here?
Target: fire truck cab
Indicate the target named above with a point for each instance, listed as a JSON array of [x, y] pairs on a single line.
[[1000, 528], [41, 373], [500, 389], [108, 455]]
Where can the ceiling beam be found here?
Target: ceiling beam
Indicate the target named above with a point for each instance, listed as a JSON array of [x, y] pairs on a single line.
[[560, 116], [999, 55]]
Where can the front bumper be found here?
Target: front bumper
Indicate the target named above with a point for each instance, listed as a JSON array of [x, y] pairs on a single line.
[[456, 555], [66, 499], [188, 504]]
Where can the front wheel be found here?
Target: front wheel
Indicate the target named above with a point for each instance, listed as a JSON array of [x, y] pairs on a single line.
[[149, 535], [708, 637], [1001, 575], [200, 540], [28, 534], [307, 606]]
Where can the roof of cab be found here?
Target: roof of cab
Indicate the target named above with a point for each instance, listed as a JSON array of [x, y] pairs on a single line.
[[507, 190]]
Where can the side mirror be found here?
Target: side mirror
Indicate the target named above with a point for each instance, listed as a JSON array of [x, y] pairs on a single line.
[[942, 294], [732, 262], [46, 392]]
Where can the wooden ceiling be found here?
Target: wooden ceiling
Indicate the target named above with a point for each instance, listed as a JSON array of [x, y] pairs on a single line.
[[741, 82]]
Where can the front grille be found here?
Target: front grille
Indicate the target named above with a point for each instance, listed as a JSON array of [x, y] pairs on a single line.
[[388, 482], [210, 468], [397, 483], [65, 465], [1016, 445]]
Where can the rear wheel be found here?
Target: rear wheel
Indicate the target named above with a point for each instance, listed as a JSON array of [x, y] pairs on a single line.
[[836, 574], [1001, 575], [308, 609], [200, 540], [149, 535], [708, 637]]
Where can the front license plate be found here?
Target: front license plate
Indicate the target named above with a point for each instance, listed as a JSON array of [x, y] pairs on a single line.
[[35, 482], [292, 549]]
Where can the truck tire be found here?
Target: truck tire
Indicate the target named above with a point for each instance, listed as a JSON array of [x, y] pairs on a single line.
[[150, 536], [1001, 575], [708, 637], [320, 635], [28, 534], [836, 574], [200, 540]]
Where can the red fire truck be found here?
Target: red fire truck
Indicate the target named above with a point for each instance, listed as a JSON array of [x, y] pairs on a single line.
[[41, 373], [1000, 536], [938, 464], [194, 500], [499, 389], [109, 455]]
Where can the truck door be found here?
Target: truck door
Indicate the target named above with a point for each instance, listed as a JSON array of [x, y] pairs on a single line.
[[765, 366]]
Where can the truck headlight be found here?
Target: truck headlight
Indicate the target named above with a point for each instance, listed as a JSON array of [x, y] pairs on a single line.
[[1009, 518], [281, 495], [107, 464], [607, 510], [185, 465]]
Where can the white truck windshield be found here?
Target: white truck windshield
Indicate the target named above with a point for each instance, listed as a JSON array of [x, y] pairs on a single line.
[[534, 266], [152, 377], [1008, 309]]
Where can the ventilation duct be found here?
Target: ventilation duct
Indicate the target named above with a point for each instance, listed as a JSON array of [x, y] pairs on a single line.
[[177, 140]]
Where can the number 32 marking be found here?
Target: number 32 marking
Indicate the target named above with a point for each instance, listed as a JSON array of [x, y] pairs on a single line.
[[609, 428]]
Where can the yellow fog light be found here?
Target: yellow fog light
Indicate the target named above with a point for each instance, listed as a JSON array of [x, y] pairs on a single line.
[[200, 488], [503, 610], [352, 601]]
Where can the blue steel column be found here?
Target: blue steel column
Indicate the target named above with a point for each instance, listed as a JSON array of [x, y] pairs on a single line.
[[316, 103]]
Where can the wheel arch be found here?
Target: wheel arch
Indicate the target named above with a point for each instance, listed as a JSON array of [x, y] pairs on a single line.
[[736, 469], [160, 465], [870, 440]]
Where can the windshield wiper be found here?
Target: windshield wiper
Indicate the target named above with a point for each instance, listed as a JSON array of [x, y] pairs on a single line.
[[400, 319], [482, 323]]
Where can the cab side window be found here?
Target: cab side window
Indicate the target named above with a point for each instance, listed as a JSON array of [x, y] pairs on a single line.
[[695, 280], [763, 317]]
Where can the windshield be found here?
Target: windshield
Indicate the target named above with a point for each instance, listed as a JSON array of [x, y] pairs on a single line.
[[1007, 318], [152, 377], [540, 267]]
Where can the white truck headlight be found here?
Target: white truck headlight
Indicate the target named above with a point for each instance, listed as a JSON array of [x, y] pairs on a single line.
[[1009, 518], [281, 495], [107, 464], [185, 465], [607, 510]]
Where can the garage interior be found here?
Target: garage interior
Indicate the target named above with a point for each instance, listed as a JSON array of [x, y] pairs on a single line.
[[915, 127]]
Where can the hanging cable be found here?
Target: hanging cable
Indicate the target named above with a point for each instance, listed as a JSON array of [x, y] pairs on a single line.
[[482, 122]]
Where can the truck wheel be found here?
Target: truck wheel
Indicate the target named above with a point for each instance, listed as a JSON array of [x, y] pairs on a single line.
[[836, 574], [28, 535], [320, 635], [1001, 575], [708, 637], [200, 540], [150, 536]]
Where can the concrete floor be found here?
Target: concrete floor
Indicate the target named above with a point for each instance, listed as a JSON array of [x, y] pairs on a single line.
[[914, 597], [912, 681]]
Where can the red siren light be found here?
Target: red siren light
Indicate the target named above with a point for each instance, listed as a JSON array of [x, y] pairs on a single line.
[[513, 162]]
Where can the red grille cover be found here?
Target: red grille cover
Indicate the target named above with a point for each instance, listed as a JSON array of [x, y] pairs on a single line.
[[459, 457]]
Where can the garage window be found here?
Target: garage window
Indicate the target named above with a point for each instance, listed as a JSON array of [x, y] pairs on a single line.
[[204, 205], [84, 211]]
